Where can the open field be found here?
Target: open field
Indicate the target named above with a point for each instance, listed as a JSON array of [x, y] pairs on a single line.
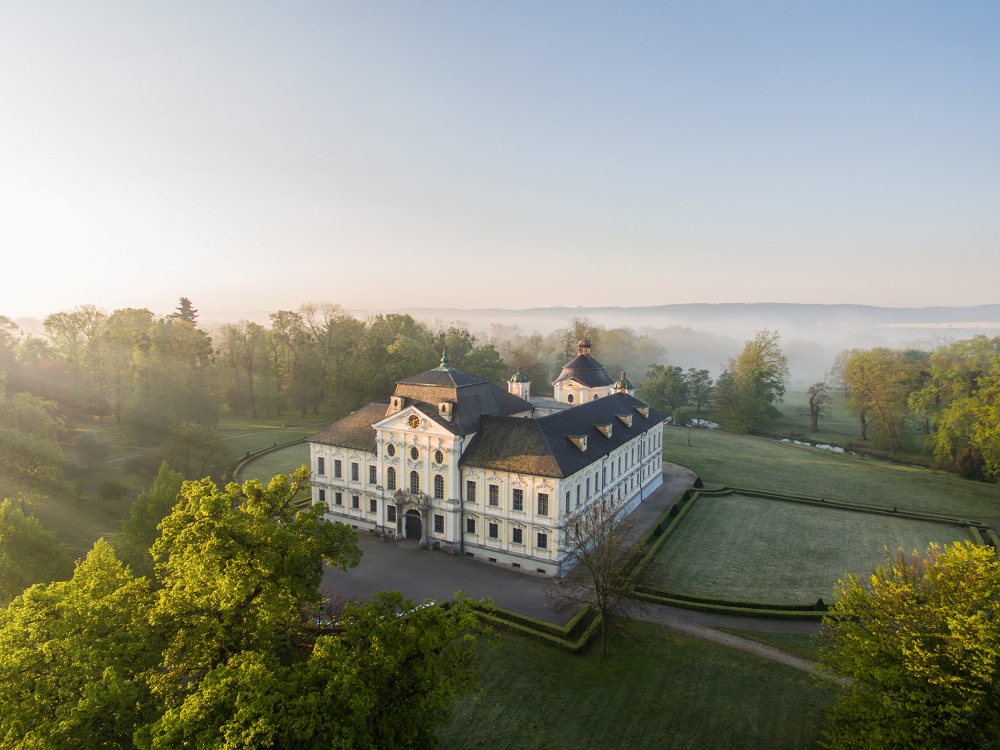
[[741, 547], [282, 461], [660, 690], [758, 463]]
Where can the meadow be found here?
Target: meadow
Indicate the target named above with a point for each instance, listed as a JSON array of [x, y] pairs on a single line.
[[760, 463], [658, 689], [759, 549], [282, 461]]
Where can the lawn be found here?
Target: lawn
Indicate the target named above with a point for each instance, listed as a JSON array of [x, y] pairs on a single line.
[[281, 461], [798, 644], [661, 690], [759, 463], [741, 547]]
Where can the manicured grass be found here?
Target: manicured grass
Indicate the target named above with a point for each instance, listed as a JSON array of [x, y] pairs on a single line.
[[758, 463], [660, 690], [798, 644], [282, 461], [741, 547]]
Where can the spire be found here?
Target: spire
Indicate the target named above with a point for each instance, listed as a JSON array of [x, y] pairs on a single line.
[[444, 366]]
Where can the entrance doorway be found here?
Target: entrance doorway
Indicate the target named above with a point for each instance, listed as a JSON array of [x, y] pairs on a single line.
[[411, 525]]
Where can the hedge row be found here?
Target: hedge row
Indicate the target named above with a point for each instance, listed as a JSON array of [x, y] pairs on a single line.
[[994, 539], [977, 538], [818, 606], [719, 609], [546, 632]]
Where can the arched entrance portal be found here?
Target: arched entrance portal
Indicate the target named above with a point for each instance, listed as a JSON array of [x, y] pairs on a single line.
[[411, 528]]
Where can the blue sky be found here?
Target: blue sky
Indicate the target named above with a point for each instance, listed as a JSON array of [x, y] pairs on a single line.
[[254, 156]]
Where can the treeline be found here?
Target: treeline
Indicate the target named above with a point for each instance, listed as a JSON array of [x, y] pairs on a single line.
[[949, 398]]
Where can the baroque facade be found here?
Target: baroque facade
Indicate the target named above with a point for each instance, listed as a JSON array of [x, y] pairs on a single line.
[[462, 465]]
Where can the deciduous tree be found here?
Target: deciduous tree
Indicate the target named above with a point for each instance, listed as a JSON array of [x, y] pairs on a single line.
[[920, 642], [664, 388], [133, 543], [818, 404], [28, 553], [700, 387], [878, 381], [92, 448], [751, 384]]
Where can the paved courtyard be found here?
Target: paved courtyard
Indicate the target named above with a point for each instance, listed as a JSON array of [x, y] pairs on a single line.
[[424, 574]]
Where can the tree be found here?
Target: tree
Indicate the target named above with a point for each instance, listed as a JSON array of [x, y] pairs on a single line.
[[132, 544], [600, 535], [878, 380], [185, 311], [28, 553], [197, 452], [664, 388], [242, 343], [700, 387], [920, 642], [125, 335], [111, 490], [92, 448], [818, 405], [751, 384], [29, 454], [985, 432]]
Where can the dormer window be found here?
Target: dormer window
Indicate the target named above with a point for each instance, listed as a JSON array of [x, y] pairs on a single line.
[[626, 419], [643, 410], [444, 410], [605, 429], [580, 441]]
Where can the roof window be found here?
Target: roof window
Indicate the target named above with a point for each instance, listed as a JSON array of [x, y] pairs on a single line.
[[605, 429], [643, 410], [580, 441], [626, 419]]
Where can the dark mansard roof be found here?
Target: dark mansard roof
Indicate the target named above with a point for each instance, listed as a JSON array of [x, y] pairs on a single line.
[[355, 430], [543, 447]]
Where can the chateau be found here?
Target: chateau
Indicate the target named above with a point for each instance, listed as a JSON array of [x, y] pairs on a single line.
[[462, 465]]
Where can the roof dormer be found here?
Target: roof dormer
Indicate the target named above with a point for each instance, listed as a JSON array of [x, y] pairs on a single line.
[[626, 419], [643, 410], [580, 441], [605, 429]]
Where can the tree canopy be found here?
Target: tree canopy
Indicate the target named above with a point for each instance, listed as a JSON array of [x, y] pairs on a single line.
[[28, 553], [747, 391]]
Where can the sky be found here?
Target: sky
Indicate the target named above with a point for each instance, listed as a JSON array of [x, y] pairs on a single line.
[[520, 154]]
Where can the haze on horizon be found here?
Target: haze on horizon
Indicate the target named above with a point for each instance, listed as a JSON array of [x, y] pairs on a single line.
[[456, 155]]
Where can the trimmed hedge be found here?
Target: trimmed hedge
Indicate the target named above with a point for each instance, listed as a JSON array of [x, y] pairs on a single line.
[[719, 609], [977, 538], [994, 539], [571, 638]]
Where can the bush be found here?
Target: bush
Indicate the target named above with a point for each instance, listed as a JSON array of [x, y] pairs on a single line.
[[969, 464]]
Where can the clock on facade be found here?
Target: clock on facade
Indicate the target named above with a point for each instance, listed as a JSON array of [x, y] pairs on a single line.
[[414, 421]]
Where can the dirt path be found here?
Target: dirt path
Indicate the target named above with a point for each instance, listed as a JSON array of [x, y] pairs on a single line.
[[665, 616]]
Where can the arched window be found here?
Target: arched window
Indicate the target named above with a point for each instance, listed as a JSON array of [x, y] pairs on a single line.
[[596, 396], [414, 482], [390, 478], [414, 453], [438, 457], [569, 399], [438, 487]]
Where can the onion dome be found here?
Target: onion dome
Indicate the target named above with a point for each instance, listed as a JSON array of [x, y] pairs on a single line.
[[518, 377], [623, 384], [444, 364]]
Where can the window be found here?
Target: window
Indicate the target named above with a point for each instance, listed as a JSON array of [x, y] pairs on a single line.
[[391, 450], [390, 478], [470, 491], [594, 398], [470, 525], [337, 468], [578, 496], [414, 482], [567, 502], [372, 505], [518, 500], [372, 475], [543, 541], [354, 472], [414, 453], [494, 495], [338, 498], [356, 502], [438, 487], [588, 487], [438, 457], [438, 524], [390, 513], [569, 399], [322, 496], [619, 464], [604, 476], [494, 531], [321, 466], [543, 504], [517, 536]]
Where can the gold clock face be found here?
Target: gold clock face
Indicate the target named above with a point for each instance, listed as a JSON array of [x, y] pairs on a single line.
[[414, 421]]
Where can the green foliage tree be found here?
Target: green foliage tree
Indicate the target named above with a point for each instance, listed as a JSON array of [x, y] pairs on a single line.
[[133, 543], [920, 642], [28, 553], [700, 387], [197, 452], [750, 386], [72, 657], [92, 448], [985, 430], [111, 490], [879, 380], [29, 454], [818, 405], [664, 388]]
